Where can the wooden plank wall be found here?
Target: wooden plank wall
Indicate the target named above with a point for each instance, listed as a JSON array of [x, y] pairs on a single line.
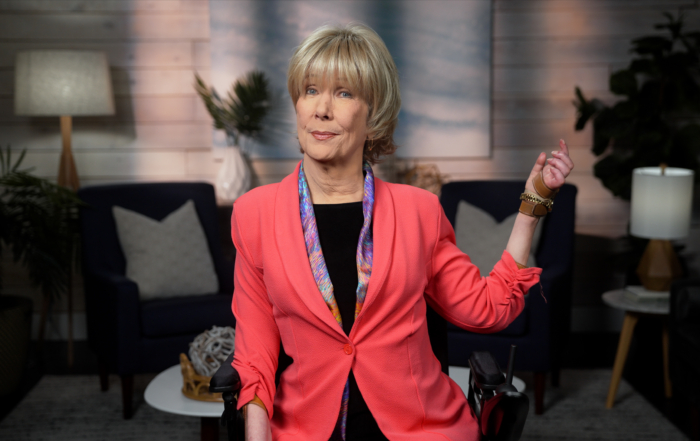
[[541, 50], [160, 130]]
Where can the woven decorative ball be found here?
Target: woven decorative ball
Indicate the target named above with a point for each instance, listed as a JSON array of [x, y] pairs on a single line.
[[208, 350]]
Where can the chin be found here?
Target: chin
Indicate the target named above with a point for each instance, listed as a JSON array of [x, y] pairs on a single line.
[[320, 154]]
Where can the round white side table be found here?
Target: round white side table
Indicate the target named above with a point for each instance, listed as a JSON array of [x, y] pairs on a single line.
[[165, 394], [633, 311]]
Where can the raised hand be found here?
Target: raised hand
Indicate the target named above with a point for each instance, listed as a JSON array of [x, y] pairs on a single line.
[[554, 170]]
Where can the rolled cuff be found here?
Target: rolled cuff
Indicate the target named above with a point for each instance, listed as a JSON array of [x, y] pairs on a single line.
[[519, 280], [252, 390]]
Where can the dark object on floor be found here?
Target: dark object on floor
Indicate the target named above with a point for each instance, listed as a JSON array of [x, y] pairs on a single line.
[[684, 346], [15, 329], [500, 409], [130, 336], [542, 329]]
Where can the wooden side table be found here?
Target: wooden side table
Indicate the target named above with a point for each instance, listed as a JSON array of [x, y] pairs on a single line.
[[633, 311]]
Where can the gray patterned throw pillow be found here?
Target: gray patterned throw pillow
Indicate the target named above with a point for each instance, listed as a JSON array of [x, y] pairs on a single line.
[[170, 258], [483, 239]]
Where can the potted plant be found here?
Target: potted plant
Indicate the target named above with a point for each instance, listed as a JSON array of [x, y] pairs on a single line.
[[38, 225], [653, 122], [242, 113]]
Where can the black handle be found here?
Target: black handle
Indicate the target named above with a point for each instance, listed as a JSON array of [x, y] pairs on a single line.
[[511, 365]]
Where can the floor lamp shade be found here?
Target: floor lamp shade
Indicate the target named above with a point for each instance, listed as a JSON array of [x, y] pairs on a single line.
[[661, 202], [62, 83]]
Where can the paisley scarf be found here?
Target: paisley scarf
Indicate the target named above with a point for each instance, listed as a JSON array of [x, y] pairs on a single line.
[[318, 264]]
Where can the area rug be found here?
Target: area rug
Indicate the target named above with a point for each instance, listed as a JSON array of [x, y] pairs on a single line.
[[576, 411], [72, 408]]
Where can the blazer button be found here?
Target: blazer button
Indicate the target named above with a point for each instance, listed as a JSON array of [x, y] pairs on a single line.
[[347, 349]]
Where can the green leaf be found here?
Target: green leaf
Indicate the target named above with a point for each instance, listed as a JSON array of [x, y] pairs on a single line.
[[626, 110], [616, 175], [653, 45], [39, 223], [644, 66], [585, 110], [623, 82], [603, 130], [686, 148], [673, 25], [245, 109]]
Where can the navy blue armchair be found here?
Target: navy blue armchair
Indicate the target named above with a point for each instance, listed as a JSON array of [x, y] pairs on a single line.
[[541, 331], [130, 336]]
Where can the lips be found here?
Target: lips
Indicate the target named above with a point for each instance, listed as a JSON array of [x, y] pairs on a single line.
[[322, 136]]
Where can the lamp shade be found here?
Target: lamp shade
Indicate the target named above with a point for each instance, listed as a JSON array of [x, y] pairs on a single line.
[[661, 202], [62, 83]]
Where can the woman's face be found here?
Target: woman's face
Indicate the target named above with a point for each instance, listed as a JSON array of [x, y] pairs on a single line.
[[331, 122]]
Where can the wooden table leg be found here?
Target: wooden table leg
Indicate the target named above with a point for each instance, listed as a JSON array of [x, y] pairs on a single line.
[[622, 348], [667, 377], [210, 429]]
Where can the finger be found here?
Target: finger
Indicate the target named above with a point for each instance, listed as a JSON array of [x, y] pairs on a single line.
[[564, 157], [554, 179], [560, 165], [539, 164], [563, 147]]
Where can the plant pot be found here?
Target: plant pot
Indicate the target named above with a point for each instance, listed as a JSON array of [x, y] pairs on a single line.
[[15, 332], [234, 177]]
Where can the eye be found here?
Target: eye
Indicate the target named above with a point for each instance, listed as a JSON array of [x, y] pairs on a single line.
[[311, 90], [345, 94]]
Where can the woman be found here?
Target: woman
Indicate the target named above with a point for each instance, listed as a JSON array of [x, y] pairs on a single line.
[[338, 266]]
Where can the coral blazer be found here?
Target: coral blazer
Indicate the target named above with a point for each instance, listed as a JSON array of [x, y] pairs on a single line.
[[415, 262]]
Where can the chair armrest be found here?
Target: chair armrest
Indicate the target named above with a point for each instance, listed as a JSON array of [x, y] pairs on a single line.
[[118, 293], [114, 318], [114, 284], [226, 378], [487, 374]]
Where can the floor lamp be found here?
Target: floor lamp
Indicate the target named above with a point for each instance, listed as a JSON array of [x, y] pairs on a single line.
[[63, 83]]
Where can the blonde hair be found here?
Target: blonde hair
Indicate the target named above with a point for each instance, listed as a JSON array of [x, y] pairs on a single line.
[[358, 55]]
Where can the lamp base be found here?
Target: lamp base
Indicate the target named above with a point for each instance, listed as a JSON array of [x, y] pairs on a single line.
[[659, 266], [67, 173]]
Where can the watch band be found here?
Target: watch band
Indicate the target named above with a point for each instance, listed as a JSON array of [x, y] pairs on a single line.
[[527, 196], [542, 189], [533, 209]]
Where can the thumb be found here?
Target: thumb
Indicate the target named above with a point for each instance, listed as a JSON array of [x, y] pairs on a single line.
[[539, 164]]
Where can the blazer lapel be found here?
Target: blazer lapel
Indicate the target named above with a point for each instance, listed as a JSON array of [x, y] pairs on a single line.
[[383, 236], [290, 244]]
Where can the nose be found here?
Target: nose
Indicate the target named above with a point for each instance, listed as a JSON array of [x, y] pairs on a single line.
[[324, 107]]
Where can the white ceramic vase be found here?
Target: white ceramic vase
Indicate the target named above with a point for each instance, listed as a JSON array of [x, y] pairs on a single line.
[[234, 177]]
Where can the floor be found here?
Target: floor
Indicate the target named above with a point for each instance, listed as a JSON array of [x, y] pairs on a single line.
[[590, 350]]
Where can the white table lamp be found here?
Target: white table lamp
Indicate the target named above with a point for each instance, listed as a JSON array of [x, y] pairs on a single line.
[[661, 210], [63, 83]]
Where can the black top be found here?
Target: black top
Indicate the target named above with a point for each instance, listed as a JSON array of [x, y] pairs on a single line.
[[339, 227]]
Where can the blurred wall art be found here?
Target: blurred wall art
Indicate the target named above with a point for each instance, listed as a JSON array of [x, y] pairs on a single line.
[[442, 50]]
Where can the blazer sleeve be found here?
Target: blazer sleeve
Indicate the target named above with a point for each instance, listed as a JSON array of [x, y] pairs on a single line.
[[457, 291], [257, 339]]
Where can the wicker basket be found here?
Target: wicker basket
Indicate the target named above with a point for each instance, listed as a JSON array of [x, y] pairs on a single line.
[[196, 386]]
